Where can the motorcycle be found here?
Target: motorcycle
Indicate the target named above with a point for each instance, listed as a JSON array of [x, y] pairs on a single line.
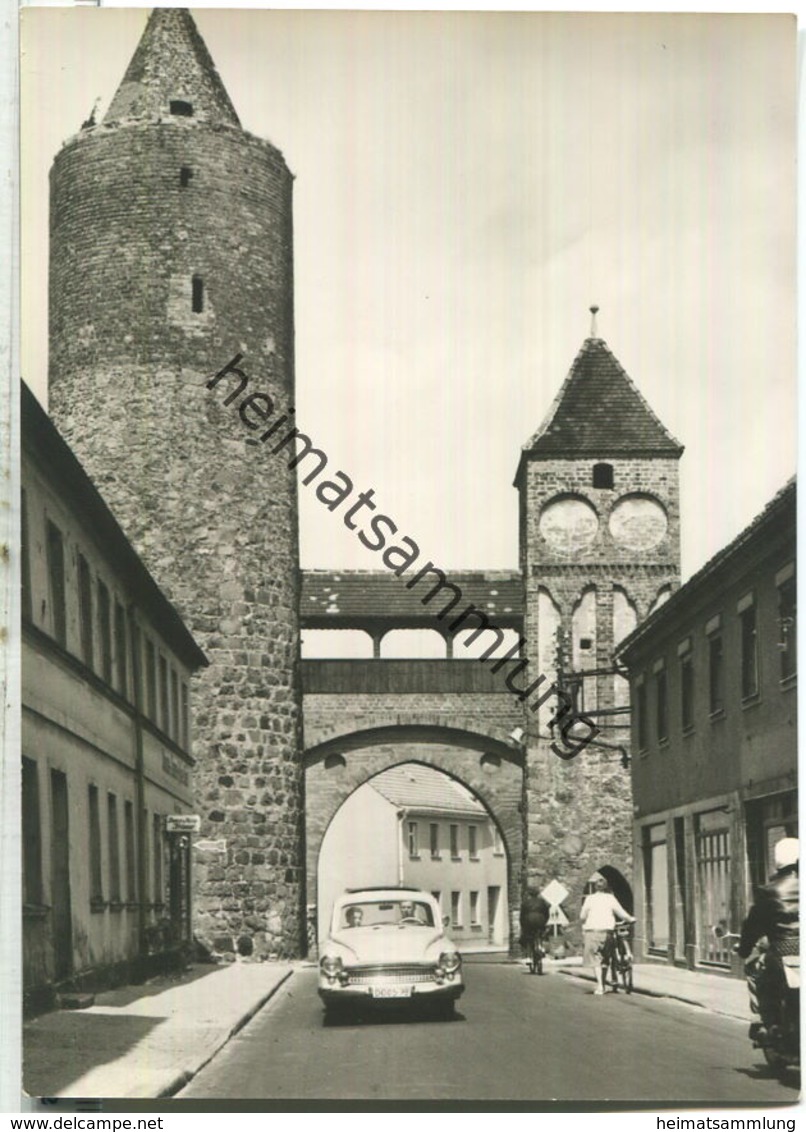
[[774, 984]]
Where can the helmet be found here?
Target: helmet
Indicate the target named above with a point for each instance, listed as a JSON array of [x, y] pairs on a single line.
[[786, 853]]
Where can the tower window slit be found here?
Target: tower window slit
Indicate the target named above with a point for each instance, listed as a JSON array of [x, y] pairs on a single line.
[[181, 108], [198, 294], [185, 175], [603, 475]]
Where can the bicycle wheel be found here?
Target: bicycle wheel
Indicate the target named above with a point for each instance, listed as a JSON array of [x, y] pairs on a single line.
[[625, 967]]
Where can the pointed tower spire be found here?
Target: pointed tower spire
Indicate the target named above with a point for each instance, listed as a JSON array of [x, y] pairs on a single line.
[[171, 74]]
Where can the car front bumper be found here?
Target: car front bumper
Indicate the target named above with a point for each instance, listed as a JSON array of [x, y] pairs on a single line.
[[388, 987]]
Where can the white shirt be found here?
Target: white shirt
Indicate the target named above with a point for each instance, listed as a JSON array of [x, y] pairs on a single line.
[[600, 911]]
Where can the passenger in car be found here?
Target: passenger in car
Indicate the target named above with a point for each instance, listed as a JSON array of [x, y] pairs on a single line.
[[354, 917]]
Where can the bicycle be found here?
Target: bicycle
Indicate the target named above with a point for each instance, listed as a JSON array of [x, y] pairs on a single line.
[[535, 953], [617, 957]]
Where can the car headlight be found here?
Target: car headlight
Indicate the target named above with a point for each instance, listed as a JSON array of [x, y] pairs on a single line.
[[330, 965], [450, 962]]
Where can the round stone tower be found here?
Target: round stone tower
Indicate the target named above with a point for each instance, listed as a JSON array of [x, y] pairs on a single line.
[[171, 252]]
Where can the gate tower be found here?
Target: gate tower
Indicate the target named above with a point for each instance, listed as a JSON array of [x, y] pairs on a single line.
[[599, 548]]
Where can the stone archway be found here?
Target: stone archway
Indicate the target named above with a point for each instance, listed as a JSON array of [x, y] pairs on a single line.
[[492, 771]]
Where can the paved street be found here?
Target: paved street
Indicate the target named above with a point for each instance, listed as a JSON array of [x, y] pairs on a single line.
[[515, 1037]]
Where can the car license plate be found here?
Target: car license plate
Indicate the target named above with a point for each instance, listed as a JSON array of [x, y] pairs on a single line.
[[391, 992]]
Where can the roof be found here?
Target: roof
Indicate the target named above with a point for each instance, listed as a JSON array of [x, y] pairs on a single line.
[[782, 501], [356, 597], [49, 450], [420, 788], [600, 412], [171, 63]]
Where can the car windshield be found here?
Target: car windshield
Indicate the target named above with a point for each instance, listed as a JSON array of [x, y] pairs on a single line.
[[371, 913]]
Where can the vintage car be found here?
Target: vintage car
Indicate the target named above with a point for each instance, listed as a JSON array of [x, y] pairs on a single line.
[[387, 945]]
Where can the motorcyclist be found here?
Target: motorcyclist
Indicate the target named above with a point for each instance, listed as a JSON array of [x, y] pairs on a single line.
[[772, 929]]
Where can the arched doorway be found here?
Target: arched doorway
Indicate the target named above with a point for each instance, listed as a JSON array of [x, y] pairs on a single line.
[[353, 841]]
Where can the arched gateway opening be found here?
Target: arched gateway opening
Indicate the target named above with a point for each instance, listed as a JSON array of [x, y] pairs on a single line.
[[437, 815]]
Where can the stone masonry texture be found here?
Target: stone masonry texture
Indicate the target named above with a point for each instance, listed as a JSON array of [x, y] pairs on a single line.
[[141, 205]]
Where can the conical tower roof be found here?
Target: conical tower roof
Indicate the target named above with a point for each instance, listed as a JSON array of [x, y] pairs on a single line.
[[599, 412], [171, 73]]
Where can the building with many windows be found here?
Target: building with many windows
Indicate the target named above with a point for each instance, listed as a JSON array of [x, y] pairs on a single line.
[[713, 675], [415, 826], [106, 735]]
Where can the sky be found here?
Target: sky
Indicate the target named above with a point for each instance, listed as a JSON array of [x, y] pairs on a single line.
[[467, 185]]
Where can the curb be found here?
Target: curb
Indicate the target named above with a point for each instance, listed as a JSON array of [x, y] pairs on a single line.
[[666, 994], [186, 1075]]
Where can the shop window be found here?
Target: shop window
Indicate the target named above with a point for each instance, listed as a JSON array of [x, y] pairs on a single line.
[[656, 886]]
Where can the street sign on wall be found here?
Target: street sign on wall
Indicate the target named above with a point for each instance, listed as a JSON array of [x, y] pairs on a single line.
[[182, 823]]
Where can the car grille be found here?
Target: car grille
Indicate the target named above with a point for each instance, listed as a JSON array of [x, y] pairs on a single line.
[[389, 976]]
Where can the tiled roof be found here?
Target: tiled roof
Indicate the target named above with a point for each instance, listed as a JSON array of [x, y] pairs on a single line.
[[598, 411], [419, 788], [783, 499], [360, 596]]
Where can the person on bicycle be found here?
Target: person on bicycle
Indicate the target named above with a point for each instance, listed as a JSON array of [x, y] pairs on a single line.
[[600, 912], [534, 918], [772, 929]]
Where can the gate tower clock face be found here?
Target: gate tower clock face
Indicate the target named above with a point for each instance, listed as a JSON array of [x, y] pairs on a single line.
[[638, 522], [568, 525]]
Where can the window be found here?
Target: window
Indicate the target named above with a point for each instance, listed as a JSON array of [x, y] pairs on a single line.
[[151, 681], [185, 737], [474, 908], [686, 690], [198, 294], [788, 624], [413, 839], [31, 835], [25, 558], [454, 832], [164, 710], [185, 176], [716, 672], [105, 630], [55, 557], [131, 863], [174, 705], [661, 705], [433, 833], [656, 881], [602, 475], [85, 609], [157, 840], [472, 842], [498, 842], [96, 863], [120, 647], [640, 714], [181, 108], [114, 849], [749, 646], [456, 909]]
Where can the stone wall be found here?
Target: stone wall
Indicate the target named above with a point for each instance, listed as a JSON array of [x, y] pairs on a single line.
[[214, 519]]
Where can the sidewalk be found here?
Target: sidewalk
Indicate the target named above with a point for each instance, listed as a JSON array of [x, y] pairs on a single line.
[[717, 993], [145, 1041]]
